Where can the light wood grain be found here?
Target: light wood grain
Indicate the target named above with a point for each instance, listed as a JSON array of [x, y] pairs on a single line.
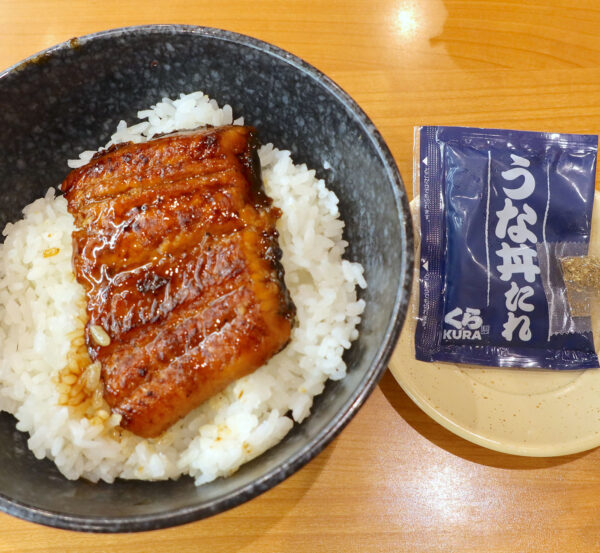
[[394, 480]]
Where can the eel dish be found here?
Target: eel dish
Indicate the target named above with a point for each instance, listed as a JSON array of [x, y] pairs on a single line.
[[176, 247]]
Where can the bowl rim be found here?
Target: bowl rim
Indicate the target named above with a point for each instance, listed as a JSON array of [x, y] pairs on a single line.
[[155, 521]]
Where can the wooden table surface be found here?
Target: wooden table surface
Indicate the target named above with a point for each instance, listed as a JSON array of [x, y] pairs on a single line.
[[394, 480]]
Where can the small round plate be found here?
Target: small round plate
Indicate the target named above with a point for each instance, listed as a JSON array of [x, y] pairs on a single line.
[[539, 413]]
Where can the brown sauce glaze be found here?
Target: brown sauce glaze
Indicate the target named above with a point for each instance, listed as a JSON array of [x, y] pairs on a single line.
[[176, 246]]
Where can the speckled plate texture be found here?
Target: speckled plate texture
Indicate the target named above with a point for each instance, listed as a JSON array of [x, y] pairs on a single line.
[[537, 413], [70, 97]]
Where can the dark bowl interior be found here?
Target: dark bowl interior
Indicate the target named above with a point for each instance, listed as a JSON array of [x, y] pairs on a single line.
[[70, 98]]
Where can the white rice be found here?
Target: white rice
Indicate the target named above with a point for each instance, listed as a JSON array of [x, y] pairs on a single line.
[[41, 305]]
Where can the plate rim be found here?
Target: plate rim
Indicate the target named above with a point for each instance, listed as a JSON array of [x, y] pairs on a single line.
[[510, 448]]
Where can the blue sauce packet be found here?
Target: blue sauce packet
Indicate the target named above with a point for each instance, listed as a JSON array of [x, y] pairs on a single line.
[[497, 208]]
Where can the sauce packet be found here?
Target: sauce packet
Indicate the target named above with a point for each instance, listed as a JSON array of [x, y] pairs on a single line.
[[499, 209]]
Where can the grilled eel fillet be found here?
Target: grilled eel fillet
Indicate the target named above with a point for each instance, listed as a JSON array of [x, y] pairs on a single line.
[[176, 246]]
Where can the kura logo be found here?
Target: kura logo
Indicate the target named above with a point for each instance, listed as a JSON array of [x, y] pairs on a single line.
[[466, 324]]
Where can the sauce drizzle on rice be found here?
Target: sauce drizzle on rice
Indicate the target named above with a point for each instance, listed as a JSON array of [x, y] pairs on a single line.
[[78, 382]]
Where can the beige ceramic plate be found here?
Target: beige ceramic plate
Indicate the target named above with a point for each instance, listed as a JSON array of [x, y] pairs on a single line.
[[523, 412]]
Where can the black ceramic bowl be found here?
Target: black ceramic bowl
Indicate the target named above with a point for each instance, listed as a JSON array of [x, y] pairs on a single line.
[[69, 98]]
